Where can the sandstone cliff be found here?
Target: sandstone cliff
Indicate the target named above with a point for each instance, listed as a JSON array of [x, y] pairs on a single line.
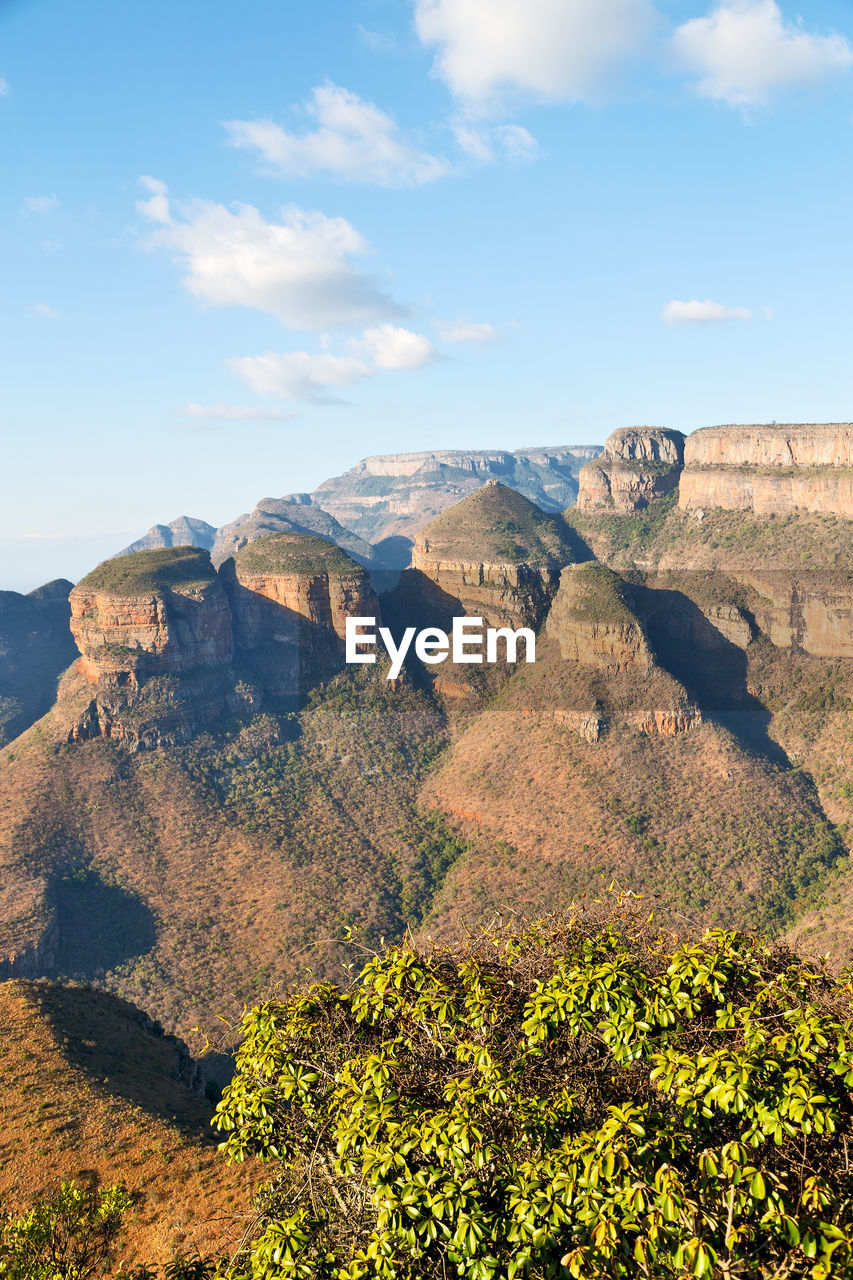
[[638, 465], [291, 595], [154, 633], [770, 470], [496, 556]]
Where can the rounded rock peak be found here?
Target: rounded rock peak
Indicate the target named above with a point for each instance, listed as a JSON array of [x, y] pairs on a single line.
[[151, 573], [498, 525], [294, 553], [646, 444]]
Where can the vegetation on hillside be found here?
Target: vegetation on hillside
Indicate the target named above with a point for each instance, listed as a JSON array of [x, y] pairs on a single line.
[[586, 1097], [152, 572], [294, 553], [499, 524]]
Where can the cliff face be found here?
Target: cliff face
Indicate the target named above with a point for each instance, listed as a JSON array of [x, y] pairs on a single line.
[[291, 595], [495, 556], [638, 465], [770, 470], [154, 633], [593, 623], [597, 626]]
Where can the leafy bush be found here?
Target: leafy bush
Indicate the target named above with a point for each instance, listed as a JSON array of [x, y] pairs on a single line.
[[578, 1098], [65, 1236]]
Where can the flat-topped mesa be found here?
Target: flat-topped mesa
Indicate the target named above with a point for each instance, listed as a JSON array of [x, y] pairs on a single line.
[[154, 632], [595, 624], [638, 465], [293, 586], [151, 613], [770, 470], [496, 554], [291, 595]]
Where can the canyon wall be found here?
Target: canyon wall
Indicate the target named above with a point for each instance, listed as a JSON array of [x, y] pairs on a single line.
[[638, 465], [770, 470]]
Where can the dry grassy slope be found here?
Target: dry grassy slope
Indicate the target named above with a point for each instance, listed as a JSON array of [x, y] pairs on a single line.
[[727, 835], [92, 1094], [205, 872]]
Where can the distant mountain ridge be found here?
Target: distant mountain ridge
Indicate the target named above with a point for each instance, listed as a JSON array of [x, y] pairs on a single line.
[[376, 509]]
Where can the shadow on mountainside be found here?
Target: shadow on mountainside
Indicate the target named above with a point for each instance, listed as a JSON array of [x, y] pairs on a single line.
[[712, 669], [100, 926], [124, 1054]]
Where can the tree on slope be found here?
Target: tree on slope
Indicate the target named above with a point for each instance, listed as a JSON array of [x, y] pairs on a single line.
[[575, 1098]]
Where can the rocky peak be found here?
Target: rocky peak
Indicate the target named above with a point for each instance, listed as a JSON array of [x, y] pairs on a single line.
[[154, 633], [186, 531], [496, 554], [638, 465]]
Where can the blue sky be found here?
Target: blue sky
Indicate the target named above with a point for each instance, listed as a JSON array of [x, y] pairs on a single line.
[[243, 246]]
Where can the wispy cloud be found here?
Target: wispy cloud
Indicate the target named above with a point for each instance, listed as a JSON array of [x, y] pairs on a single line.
[[707, 312], [350, 138], [5, 88], [744, 51], [42, 205], [466, 331], [486, 144], [299, 269], [238, 412], [44, 310]]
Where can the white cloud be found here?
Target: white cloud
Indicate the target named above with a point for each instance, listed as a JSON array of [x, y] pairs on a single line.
[[353, 139], [5, 87], [556, 50], [377, 41], [43, 310], [466, 331], [394, 348], [696, 312], [743, 50], [237, 412], [516, 142], [298, 269], [156, 208], [298, 375], [41, 204], [301, 375]]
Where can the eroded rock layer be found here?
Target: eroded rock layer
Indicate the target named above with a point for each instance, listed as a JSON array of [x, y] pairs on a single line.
[[770, 470], [638, 465]]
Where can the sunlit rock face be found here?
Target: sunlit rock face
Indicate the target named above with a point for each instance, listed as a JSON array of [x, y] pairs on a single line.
[[496, 556], [155, 638], [638, 466], [770, 470]]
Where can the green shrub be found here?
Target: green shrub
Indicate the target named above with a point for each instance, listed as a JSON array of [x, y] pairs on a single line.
[[576, 1098], [65, 1236]]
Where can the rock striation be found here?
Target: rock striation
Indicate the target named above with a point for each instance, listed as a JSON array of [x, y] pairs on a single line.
[[496, 556], [638, 465], [155, 637], [770, 470], [290, 596], [596, 624]]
